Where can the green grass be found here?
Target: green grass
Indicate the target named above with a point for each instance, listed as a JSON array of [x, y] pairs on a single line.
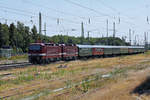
[[18, 57], [15, 57], [119, 71], [147, 53], [26, 78], [18, 80]]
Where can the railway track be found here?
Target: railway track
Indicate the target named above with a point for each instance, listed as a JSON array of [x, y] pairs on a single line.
[[14, 65]]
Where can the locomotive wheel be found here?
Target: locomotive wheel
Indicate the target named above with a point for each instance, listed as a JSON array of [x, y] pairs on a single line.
[[34, 62], [75, 58]]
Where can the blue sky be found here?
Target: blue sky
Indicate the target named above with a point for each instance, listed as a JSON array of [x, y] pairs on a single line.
[[132, 14]]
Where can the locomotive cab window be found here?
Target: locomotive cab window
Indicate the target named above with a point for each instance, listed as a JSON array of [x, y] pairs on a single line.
[[35, 47]]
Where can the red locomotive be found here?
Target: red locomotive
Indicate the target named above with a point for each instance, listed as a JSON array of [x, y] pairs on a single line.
[[69, 52], [48, 52]]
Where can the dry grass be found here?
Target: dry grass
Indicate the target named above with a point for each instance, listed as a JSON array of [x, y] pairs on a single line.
[[120, 90], [51, 77]]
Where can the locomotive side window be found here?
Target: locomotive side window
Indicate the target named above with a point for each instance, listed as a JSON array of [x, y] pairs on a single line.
[[35, 47]]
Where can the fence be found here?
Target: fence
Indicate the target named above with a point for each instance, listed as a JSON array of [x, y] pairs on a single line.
[[6, 53]]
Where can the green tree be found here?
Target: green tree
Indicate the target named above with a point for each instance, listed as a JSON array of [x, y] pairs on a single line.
[[12, 35], [4, 31], [20, 35], [34, 33], [1, 41], [27, 37]]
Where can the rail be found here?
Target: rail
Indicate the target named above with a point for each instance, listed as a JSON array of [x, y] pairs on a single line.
[[14, 65]]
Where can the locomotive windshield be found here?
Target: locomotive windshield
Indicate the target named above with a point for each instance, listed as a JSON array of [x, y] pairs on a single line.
[[34, 47]]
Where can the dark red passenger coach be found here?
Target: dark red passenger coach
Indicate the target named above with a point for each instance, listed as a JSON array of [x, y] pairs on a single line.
[[97, 51]]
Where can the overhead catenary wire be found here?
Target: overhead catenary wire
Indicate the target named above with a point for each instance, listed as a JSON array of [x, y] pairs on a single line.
[[14, 20], [19, 10], [54, 10], [91, 9], [100, 13], [65, 21], [62, 12], [34, 14], [113, 9], [117, 11], [17, 13], [31, 14]]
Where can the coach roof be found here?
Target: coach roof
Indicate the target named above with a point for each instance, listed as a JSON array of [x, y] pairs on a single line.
[[105, 46]]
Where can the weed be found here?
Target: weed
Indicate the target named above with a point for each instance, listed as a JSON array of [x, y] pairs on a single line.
[[60, 72], [72, 71], [97, 77], [12, 98], [118, 71], [68, 83], [18, 57], [44, 76], [85, 85], [147, 53], [23, 78], [2, 82], [14, 61], [121, 57], [34, 69]]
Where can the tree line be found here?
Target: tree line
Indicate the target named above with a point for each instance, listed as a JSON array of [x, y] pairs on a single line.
[[20, 36], [17, 36], [91, 41]]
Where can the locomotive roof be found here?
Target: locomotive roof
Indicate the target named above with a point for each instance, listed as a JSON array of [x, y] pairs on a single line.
[[105, 46], [43, 44], [37, 44]]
